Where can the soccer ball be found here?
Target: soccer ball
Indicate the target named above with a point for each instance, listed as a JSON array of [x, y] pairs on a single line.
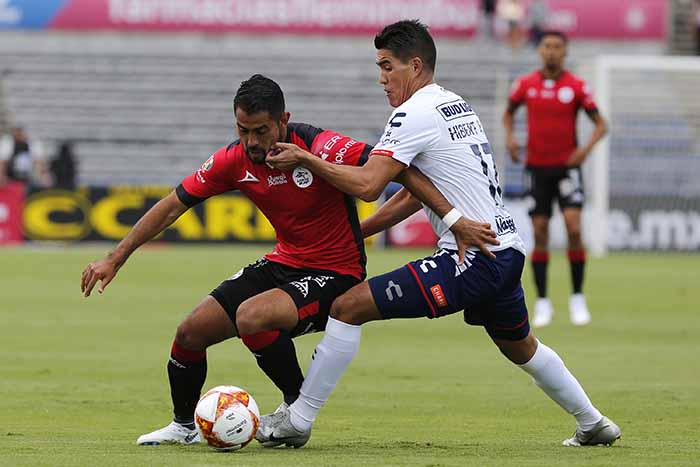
[[227, 417]]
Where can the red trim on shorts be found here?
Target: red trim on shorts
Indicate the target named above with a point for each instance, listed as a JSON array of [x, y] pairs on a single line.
[[422, 289], [183, 355], [522, 323], [260, 340], [577, 256], [308, 310], [540, 256]]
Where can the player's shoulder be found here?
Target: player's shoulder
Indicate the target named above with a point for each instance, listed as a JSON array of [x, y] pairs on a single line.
[[530, 78], [572, 79], [303, 132]]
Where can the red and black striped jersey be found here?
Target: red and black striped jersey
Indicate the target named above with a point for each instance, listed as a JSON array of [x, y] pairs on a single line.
[[316, 225]]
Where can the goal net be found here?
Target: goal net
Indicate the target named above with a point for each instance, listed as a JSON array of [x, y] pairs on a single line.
[[644, 178]]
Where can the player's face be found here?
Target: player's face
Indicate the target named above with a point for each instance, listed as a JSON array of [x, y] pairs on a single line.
[[395, 76], [259, 131], [552, 50]]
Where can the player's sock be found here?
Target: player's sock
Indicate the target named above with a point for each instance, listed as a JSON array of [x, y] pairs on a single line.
[[540, 261], [328, 362], [551, 375], [187, 370], [277, 357], [577, 261]]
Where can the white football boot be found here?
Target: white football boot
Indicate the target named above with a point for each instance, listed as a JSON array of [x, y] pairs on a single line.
[[605, 433], [171, 434], [267, 424], [543, 313], [284, 432], [578, 310]]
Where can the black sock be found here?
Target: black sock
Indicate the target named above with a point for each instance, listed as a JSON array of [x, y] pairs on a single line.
[[277, 357], [577, 261], [187, 371], [540, 261]]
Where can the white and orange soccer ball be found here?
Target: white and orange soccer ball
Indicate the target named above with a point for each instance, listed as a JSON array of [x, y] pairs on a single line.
[[227, 417]]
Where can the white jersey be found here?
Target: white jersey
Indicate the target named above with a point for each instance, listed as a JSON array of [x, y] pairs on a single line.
[[437, 132]]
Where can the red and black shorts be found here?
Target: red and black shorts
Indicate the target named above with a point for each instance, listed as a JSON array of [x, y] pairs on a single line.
[[312, 291], [545, 184]]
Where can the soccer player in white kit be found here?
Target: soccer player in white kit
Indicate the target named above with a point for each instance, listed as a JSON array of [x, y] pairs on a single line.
[[439, 133]]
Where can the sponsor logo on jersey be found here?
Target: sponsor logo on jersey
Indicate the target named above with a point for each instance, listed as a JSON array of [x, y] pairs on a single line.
[[532, 92], [381, 152], [208, 164], [302, 177], [438, 295], [273, 180], [393, 123], [331, 142], [505, 225], [455, 109], [565, 94], [249, 177], [340, 155]]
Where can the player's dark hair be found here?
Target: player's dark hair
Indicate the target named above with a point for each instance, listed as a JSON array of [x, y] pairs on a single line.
[[554, 33], [407, 39], [260, 94]]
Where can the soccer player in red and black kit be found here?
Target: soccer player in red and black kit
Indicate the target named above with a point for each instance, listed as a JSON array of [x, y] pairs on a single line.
[[319, 255], [553, 97]]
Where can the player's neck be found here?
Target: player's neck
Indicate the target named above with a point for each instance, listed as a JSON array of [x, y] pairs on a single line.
[[548, 73], [420, 84]]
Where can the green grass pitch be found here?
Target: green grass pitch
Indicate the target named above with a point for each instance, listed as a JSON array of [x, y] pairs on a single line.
[[80, 379]]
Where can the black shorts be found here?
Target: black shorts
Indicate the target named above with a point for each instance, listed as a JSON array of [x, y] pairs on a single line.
[[312, 291], [544, 184]]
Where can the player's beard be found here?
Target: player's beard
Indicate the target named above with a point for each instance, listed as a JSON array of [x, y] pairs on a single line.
[[257, 155]]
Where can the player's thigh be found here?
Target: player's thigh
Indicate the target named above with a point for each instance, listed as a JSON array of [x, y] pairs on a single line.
[[312, 294], [206, 325], [570, 192], [356, 306], [541, 190], [572, 219], [424, 288], [250, 281], [272, 309]]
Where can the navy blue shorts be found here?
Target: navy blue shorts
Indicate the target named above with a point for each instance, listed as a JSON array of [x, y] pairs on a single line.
[[488, 291]]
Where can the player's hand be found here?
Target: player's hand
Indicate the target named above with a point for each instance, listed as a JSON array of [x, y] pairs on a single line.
[[513, 149], [285, 156], [103, 270], [470, 233], [577, 158]]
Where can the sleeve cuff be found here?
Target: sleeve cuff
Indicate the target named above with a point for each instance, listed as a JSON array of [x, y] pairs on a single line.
[[186, 198]]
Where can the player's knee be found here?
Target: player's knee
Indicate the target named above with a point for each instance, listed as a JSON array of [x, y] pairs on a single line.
[[574, 236], [250, 319], [344, 309], [188, 338]]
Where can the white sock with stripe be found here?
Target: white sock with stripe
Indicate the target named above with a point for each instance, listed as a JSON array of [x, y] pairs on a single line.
[[328, 363], [551, 375]]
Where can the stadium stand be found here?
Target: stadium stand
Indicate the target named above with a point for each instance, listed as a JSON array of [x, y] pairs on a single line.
[[150, 108]]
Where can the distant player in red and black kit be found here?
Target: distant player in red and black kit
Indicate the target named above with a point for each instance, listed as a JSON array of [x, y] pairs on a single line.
[[319, 255], [553, 97]]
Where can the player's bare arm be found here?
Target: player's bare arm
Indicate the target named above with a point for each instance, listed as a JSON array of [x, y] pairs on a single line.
[[511, 143], [400, 206], [157, 219], [468, 233], [601, 128]]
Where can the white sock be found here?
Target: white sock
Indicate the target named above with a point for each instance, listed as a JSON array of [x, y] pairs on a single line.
[[330, 359], [551, 375]]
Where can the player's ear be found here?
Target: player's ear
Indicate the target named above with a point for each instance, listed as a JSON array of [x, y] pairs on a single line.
[[416, 65], [284, 119]]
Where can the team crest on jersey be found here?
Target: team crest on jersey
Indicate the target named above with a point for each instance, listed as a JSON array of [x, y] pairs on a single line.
[[302, 177], [565, 94], [208, 164]]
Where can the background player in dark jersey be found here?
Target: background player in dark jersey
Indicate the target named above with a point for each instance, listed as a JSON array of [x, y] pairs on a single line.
[[319, 254], [553, 97]]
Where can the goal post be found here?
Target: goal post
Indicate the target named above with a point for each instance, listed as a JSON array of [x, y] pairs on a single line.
[[644, 177]]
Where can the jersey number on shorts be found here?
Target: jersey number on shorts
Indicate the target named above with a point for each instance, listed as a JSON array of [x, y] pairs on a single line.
[[485, 150]]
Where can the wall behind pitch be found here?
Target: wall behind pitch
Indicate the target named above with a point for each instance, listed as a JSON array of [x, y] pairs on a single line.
[[594, 19], [108, 213]]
